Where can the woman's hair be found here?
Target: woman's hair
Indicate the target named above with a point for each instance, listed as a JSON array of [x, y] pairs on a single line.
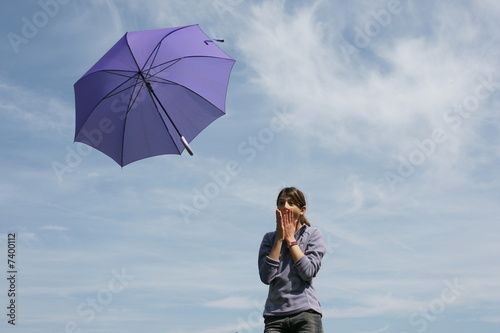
[[297, 197]]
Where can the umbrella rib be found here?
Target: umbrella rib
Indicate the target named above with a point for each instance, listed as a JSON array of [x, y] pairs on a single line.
[[115, 92], [129, 108], [133, 99], [170, 64], [118, 73]]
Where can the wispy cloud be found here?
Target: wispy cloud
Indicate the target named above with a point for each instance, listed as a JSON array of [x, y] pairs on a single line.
[[33, 110], [54, 228], [233, 302]]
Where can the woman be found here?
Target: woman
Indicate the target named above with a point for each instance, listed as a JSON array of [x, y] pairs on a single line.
[[289, 258]]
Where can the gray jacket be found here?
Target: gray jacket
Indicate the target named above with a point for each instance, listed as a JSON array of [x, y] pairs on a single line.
[[290, 284]]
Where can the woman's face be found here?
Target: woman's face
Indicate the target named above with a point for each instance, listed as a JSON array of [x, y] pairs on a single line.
[[286, 203]]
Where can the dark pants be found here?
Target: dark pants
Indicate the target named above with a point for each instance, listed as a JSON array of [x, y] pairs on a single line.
[[303, 322]]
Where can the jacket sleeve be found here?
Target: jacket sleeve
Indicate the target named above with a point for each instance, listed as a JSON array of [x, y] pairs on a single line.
[[268, 268], [309, 265]]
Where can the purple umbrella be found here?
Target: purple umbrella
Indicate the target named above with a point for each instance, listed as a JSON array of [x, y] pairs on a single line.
[[152, 93]]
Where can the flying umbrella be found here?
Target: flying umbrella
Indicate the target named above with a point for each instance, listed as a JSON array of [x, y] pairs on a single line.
[[152, 93]]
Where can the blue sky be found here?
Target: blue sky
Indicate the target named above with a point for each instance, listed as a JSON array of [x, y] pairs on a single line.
[[385, 113]]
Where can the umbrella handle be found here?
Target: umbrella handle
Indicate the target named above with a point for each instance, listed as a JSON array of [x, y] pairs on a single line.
[[186, 145]]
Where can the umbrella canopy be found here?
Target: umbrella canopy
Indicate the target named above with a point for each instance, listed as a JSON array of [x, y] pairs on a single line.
[[152, 93]]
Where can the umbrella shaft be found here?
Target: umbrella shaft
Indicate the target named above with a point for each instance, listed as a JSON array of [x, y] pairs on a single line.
[[153, 94]]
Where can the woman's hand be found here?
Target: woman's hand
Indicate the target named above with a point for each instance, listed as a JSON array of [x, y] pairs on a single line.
[[279, 226], [289, 225], [278, 242]]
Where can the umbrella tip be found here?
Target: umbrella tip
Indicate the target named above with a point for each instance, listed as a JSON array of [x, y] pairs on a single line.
[[186, 145], [212, 40]]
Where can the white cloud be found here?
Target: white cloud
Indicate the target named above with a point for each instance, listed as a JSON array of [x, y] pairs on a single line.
[[375, 306], [54, 228], [368, 109], [234, 302]]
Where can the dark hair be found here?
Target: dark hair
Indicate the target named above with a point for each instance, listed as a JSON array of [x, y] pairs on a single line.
[[298, 198]]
